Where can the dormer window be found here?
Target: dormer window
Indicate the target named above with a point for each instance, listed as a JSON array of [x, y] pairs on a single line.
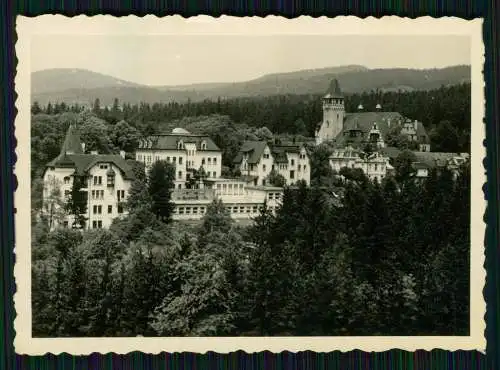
[[180, 145], [66, 180], [110, 178], [203, 145]]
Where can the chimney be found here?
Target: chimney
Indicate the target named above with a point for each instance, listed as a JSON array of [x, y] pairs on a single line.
[[122, 154]]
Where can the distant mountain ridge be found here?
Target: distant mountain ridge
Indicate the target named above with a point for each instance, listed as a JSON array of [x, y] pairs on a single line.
[[83, 86]]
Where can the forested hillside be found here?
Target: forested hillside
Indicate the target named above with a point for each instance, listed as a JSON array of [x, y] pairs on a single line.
[[445, 113], [392, 260], [83, 87], [369, 258]]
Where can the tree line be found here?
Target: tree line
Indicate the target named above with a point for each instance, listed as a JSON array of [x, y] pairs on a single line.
[[367, 258], [445, 112]]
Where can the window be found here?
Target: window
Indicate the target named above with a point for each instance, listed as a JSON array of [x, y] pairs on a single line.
[[179, 186], [376, 167], [103, 166], [94, 209], [66, 179], [93, 194], [202, 210], [168, 159], [215, 160], [224, 190], [292, 174], [110, 209], [120, 208], [157, 158], [202, 161], [214, 174], [292, 162], [139, 158], [180, 160], [266, 156], [209, 160], [188, 210], [254, 209], [66, 193], [298, 167], [241, 189], [180, 174], [263, 182], [264, 167], [242, 209], [99, 224], [120, 194], [174, 159], [195, 210], [181, 210], [271, 196], [97, 209], [235, 209], [304, 167], [94, 224], [110, 179], [249, 209], [101, 194]]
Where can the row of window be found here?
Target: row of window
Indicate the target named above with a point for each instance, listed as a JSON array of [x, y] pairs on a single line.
[[234, 209], [110, 180], [148, 158], [97, 209], [230, 189]]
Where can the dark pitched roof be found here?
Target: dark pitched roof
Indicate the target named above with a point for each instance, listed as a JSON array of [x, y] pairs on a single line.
[[390, 151], [254, 149], [169, 142], [72, 143], [363, 122], [435, 159], [84, 162], [333, 90]]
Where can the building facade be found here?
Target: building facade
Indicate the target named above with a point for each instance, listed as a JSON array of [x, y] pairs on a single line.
[[242, 200], [189, 153], [357, 129], [375, 166], [257, 159], [333, 114], [105, 180]]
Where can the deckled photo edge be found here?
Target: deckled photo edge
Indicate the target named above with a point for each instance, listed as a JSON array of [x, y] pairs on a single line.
[[25, 344]]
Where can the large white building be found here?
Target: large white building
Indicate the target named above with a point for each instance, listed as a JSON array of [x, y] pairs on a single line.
[[256, 159], [242, 200], [106, 180], [189, 153], [375, 166]]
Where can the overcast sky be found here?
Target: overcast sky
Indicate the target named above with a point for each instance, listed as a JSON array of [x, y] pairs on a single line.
[[175, 60]]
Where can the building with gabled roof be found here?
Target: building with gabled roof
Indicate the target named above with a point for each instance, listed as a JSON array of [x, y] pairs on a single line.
[[188, 152], [106, 179], [259, 158], [361, 128]]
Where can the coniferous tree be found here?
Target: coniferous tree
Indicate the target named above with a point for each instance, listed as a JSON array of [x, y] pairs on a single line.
[[160, 185]]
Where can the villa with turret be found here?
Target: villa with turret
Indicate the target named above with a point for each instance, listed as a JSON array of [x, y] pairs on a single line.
[[352, 133]]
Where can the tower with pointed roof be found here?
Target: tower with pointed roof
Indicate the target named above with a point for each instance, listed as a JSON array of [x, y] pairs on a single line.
[[72, 143], [333, 113]]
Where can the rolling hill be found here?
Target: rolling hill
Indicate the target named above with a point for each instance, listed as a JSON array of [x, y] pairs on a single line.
[[83, 86]]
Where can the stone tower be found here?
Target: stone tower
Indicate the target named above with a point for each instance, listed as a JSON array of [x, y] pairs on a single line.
[[333, 114]]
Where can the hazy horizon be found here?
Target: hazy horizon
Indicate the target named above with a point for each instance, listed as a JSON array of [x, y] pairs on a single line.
[[169, 60]]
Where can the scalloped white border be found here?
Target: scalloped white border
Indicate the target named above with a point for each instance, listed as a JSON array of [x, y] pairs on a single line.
[[58, 24]]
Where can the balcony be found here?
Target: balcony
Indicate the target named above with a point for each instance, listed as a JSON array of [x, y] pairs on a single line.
[[193, 194]]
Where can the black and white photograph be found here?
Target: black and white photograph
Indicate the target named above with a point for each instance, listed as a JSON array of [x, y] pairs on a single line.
[[250, 184]]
